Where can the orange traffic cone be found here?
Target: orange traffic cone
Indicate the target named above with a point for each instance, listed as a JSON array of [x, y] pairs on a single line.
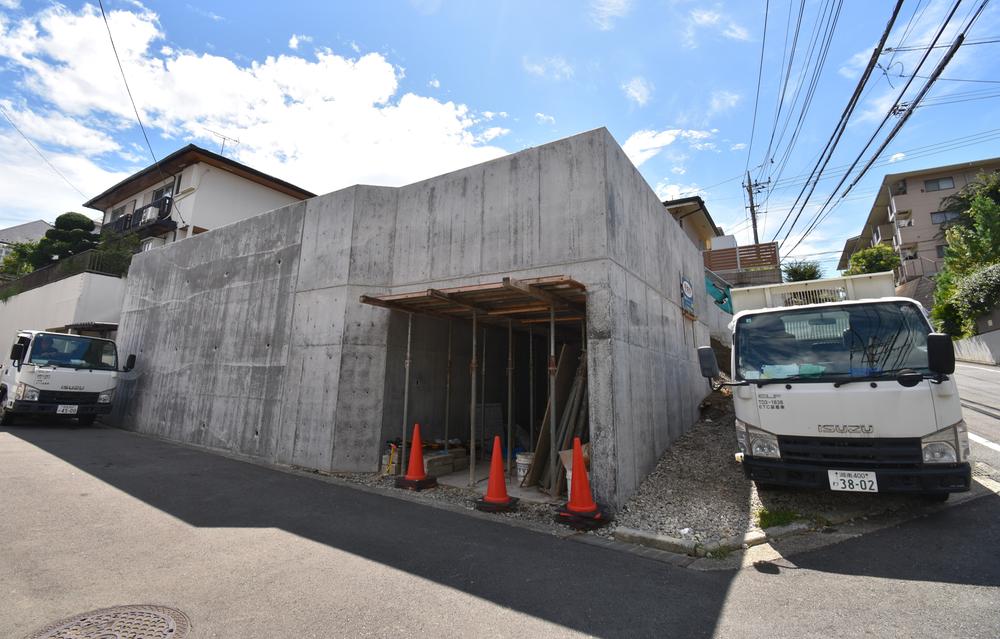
[[581, 512], [416, 477], [496, 498]]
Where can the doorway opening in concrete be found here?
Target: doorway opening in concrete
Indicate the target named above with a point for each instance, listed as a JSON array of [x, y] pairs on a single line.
[[505, 358]]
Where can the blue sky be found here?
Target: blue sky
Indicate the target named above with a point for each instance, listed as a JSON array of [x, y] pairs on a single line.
[[330, 94]]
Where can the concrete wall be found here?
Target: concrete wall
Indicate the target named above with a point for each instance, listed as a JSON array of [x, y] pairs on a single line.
[[984, 348], [251, 337], [86, 297]]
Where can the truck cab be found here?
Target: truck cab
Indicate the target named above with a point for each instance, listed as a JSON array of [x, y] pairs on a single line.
[[59, 375], [846, 394]]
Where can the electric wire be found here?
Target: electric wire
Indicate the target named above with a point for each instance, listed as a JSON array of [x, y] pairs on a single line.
[[39, 152], [760, 73]]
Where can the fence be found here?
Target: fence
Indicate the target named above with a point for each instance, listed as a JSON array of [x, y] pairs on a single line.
[[87, 262], [754, 256]]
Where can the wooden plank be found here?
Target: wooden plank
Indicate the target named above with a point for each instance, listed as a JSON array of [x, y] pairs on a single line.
[[548, 297], [569, 357]]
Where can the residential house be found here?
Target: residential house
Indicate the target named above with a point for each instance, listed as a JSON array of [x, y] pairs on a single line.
[[27, 232], [907, 215], [190, 191]]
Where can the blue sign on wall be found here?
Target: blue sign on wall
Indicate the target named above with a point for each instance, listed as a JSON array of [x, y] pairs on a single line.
[[687, 298]]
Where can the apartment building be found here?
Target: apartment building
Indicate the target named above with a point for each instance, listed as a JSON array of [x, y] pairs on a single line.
[[907, 215], [190, 191]]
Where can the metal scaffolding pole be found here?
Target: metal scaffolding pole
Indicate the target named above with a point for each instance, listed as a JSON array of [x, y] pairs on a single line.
[[406, 390], [510, 397], [472, 407], [447, 391], [531, 390], [553, 416], [482, 401]]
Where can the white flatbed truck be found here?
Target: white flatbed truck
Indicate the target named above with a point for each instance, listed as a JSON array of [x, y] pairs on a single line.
[[59, 375], [839, 384]]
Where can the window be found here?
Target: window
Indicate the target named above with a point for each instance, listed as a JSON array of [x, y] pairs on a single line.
[[940, 217], [898, 188], [117, 212], [73, 351], [941, 249], [163, 191], [146, 245], [939, 184]]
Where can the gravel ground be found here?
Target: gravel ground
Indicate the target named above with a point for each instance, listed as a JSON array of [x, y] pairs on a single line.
[[697, 491]]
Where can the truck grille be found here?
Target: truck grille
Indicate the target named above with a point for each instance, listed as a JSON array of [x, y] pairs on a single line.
[[66, 397], [847, 452]]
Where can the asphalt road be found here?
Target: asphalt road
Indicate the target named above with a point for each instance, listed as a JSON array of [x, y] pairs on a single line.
[[979, 389], [95, 518]]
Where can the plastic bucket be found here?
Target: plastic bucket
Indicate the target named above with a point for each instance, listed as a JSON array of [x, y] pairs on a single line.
[[523, 464]]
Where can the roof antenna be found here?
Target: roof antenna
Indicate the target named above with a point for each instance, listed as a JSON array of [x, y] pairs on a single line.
[[224, 139]]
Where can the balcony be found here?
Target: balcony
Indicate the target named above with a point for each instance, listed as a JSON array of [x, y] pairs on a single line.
[[745, 265], [883, 234], [152, 219]]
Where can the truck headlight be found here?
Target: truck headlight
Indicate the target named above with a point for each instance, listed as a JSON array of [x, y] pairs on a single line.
[[741, 436], [763, 444], [946, 446], [24, 392], [105, 397]]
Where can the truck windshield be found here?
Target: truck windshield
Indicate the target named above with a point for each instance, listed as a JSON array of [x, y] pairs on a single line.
[[73, 351], [832, 343]]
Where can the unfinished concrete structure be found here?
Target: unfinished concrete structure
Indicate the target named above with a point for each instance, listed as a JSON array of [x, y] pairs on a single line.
[[251, 338]]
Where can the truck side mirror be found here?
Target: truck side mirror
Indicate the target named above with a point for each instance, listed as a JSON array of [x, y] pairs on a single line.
[[709, 365], [129, 363], [940, 354], [17, 352]]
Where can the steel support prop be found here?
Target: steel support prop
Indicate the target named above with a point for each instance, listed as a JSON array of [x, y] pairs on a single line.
[[447, 391], [531, 390], [553, 415], [482, 399], [510, 398], [472, 407], [406, 391]]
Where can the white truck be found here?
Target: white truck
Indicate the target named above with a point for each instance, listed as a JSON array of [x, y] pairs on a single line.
[[839, 384], [59, 375]]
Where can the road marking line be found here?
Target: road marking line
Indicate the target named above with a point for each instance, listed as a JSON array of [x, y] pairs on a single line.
[[979, 368], [985, 442]]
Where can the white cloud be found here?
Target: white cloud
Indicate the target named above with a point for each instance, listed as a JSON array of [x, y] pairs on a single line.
[[57, 129], [355, 47], [678, 170], [10, 4], [896, 157], [723, 101], [288, 111], [734, 31], [434, 84], [604, 12], [214, 17], [714, 21], [645, 144], [491, 133], [704, 17], [555, 68], [296, 39], [737, 147], [666, 190], [639, 90], [541, 118], [855, 64]]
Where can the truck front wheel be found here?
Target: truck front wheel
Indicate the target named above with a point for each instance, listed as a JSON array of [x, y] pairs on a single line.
[[6, 417]]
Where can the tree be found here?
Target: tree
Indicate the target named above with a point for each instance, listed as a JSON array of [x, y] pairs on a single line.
[[877, 259], [72, 233], [801, 271], [18, 261], [973, 244], [116, 251]]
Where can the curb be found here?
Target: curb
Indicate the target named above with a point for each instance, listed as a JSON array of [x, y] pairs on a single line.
[[691, 548]]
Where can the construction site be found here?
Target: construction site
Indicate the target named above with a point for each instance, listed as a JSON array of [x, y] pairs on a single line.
[[538, 297]]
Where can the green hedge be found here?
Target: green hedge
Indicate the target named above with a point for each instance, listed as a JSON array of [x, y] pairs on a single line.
[[979, 293]]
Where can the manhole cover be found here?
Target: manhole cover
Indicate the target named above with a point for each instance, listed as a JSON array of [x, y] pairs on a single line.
[[122, 622]]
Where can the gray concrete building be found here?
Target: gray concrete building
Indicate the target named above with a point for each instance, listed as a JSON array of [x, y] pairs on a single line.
[[253, 338]]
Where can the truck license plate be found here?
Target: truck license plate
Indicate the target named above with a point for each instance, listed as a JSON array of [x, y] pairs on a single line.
[[853, 480], [66, 409]]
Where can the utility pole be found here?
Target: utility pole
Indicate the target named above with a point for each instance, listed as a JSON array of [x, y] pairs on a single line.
[[753, 209]]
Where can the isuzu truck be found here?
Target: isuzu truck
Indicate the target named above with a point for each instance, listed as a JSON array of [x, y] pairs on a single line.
[[59, 375], [838, 384]]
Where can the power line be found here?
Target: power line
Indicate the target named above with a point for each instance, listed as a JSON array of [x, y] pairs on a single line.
[[760, 74], [40, 154], [917, 47], [138, 119]]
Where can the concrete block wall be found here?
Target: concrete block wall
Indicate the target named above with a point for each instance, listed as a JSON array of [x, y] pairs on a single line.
[[251, 337]]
